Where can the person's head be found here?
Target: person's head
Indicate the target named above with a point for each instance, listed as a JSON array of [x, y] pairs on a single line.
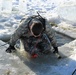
[[36, 28]]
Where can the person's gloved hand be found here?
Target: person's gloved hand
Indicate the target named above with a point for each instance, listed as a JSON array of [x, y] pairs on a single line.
[[10, 49], [55, 50], [57, 53]]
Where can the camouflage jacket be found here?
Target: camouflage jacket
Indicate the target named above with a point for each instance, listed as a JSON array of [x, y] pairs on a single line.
[[23, 30]]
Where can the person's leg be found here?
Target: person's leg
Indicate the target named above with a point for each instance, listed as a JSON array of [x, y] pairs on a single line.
[[44, 47], [25, 44]]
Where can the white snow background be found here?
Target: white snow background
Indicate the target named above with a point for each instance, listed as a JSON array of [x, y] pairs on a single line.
[[57, 11]]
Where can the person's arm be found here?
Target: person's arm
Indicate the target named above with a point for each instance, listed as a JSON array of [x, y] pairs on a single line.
[[21, 30], [18, 33], [51, 34]]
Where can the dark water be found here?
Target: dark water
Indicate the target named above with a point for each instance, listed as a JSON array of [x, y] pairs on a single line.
[[61, 39]]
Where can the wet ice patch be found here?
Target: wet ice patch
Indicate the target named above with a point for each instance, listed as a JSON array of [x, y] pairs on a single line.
[[65, 67]]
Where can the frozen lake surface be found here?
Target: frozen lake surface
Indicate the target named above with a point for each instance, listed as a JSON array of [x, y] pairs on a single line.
[[68, 13], [19, 63]]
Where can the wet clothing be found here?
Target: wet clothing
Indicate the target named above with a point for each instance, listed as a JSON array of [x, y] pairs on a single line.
[[36, 44], [30, 42]]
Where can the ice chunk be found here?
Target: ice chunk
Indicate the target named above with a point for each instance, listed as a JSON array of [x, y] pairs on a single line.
[[23, 6], [6, 6], [0, 6]]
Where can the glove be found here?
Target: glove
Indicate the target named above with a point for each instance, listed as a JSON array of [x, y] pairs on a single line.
[[57, 53], [10, 49], [55, 50]]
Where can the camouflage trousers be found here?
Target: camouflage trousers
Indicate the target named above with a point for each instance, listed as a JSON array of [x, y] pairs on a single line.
[[36, 45]]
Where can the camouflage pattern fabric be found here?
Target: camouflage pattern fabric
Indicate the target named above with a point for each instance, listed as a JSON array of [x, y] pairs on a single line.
[[36, 45], [23, 31]]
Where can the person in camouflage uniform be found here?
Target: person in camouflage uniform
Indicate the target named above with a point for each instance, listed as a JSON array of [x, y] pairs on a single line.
[[36, 35]]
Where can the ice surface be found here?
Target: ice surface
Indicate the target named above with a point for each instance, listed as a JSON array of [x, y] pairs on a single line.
[[18, 64], [45, 65], [50, 6], [68, 12], [0, 6], [23, 5], [6, 6]]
